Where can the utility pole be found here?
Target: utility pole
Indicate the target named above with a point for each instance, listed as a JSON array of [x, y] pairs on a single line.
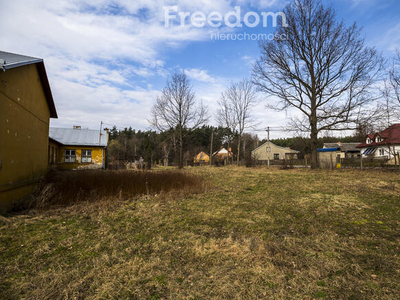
[[211, 148], [101, 126], [269, 147]]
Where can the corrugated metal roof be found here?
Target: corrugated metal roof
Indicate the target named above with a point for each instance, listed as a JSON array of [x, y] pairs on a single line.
[[345, 147], [78, 137], [11, 60]]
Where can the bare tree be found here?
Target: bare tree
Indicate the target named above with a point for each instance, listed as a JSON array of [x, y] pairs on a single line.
[[391, 93], [166, 149], [363, 129], [394, 80], [321, 68], [235, 108], [226, 118], [176, 110], [387, 109]]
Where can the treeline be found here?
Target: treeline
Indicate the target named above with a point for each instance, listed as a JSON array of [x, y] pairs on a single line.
[[163, 148], [304, 144]]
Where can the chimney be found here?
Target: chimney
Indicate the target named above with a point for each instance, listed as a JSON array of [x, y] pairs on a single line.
[[108, 134]]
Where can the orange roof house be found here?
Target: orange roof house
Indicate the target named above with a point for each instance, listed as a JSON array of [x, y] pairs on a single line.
[[382, 145]]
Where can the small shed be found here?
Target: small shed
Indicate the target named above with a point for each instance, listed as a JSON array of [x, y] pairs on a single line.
[[328, 158]]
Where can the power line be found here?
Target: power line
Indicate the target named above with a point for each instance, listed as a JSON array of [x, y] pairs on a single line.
[[278, 129]]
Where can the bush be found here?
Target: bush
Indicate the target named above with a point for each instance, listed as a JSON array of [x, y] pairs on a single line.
[[250, 160], [71, 187]]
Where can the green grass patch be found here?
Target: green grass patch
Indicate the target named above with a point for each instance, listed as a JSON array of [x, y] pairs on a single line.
[[247, 234]]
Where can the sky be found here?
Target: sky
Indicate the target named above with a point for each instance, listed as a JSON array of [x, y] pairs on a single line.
[[108, 60]]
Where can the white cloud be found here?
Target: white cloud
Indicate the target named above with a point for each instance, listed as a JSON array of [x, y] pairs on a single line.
[[100, 54], [248, 60], [199, 75], [87, 106], [96, 59], [391, 39]]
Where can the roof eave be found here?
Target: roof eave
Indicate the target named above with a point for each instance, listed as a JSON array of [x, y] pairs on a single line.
[[21, 63], [46, 88]]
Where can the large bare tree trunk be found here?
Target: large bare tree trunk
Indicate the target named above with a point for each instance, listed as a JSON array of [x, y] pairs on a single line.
[[314, 132], [314, 146], [180, 151]]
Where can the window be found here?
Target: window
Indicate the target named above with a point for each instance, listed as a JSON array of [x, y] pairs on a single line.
[[368, 141], [70, 156], [381, 152], [276, 155], [86, 156], [378, 139], [369, 151]]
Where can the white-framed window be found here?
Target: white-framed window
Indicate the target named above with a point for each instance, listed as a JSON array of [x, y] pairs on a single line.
[[368, 141], [381, 152], [378, 139], [86, 156], [70, 156]]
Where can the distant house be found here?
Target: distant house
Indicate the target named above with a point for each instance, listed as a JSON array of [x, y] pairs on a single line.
[[26, 106], [382, 145], [271, 151], [345, 150], [77, 148], [221, 156], [201, 158]]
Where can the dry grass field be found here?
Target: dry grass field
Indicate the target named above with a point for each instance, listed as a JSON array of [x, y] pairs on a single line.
[[245, 234]]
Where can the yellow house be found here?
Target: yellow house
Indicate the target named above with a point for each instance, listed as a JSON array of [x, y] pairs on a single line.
[[270, 151], [202, 157], [77, 148], [26, 106]]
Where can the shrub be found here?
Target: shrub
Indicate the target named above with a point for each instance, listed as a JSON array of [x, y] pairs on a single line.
[[70, 187]]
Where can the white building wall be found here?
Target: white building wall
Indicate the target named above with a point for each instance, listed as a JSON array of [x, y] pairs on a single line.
[[386, 152]]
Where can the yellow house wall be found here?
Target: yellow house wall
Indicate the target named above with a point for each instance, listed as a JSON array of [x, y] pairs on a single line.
[[98, 154], [262, 154], [53, 152], [24, 131], [204, 158]]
